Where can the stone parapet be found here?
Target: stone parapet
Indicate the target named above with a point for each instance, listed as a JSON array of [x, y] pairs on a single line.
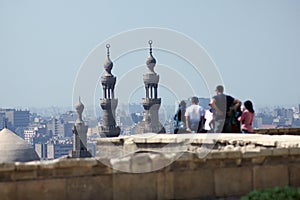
[[191, 166]]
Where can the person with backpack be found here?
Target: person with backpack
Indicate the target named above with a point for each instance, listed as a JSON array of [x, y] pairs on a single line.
[[222, 106], [180, 118]]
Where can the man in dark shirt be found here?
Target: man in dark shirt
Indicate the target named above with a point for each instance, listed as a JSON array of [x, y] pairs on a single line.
[[221, 105]]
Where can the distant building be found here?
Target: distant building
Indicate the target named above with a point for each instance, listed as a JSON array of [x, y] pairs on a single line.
[[2, 119], [41, 150], [67, 129], [33, 133], [69, 116], [52, 127], [56, 150], [16, 118]]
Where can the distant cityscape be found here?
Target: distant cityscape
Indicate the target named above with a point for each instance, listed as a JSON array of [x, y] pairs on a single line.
[[49, 130]]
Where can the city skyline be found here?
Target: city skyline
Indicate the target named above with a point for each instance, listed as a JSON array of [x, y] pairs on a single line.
[[253, 44]]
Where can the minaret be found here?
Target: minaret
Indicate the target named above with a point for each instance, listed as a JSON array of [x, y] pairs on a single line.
[[109, 103], [80, 135], [151, 103]]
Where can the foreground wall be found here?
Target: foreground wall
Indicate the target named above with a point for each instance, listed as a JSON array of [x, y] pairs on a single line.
[[234, 166]]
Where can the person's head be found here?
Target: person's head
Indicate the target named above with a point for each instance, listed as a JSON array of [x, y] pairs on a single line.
[[249, 106], [220, 89], [195, 100], [182, 104]]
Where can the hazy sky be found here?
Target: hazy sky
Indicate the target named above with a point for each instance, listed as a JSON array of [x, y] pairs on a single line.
[[255, 44]]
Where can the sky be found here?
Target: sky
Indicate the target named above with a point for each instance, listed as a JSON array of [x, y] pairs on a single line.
[[255, 46]]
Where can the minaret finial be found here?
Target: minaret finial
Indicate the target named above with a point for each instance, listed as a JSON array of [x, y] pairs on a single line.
[[150, 44], [150, 60], [5, 123], [108, 65], [107, 47]]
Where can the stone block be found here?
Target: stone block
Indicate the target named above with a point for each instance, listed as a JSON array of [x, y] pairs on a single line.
[[134, 186], [25, 171], [193, 184], [185, 156], [294, 151], [232, 181], [103, 167], [216, 154], [160, 161], [93, 187], [154, 139], [233, 154], [24, 166], [72, 171], [294, 175], [203, 153], [270, 176], [7, 167], [7, 175], [123, 164], [51, 164], [129, 146], [8, 190], [24, 175], [42, 189], [251, 153], [165, 185], [265, 152], [280, 152], [258, 160], [141, 163]]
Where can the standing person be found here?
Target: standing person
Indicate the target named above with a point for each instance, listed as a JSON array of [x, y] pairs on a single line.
[[194, 116], [222, 106], [179, 117], [247, 117]]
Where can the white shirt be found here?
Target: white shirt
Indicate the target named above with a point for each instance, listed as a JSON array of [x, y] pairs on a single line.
[[209, 117], [194, 112]]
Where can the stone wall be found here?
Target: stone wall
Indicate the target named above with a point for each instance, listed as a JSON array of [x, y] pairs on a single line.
[[279, 131], [184, 166]]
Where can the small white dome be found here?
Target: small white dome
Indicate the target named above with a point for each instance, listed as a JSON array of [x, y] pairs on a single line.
[[15, 149]]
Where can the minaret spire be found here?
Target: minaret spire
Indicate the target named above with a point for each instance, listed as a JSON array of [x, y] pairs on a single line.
[[109, 103], [151, 102], [80, 134]]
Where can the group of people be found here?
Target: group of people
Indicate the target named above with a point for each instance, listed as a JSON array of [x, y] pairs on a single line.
[[226, 115]]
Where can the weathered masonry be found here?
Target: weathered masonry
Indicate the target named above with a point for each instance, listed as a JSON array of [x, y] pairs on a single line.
[[161, 166]]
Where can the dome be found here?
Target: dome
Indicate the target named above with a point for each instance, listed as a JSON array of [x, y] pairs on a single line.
[[108, 65], [14, 149]]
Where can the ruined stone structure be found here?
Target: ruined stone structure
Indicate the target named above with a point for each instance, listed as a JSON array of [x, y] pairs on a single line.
[[80, 135], [109, 103], [236, 165], [151, 103]]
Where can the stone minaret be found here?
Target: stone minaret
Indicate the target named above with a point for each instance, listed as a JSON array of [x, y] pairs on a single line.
[[151, 103], [109, 103], [80, 135]]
